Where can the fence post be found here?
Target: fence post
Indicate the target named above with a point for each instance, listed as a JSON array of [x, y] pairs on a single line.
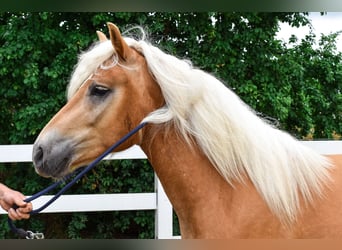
[[163, 214]]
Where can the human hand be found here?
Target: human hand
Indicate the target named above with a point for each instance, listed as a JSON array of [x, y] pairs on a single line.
[[9, 198]]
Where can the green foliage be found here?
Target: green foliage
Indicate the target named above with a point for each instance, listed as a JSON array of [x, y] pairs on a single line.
[[299, 86]]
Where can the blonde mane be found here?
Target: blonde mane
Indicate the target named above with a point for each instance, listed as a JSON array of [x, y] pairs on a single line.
[[231, 135]]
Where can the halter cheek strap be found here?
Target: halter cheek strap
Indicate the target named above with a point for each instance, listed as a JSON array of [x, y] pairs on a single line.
[[79, 174]]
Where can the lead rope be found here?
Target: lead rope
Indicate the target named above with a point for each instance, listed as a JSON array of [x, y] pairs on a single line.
[[80, 173]]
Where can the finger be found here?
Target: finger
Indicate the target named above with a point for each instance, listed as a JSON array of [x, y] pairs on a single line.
[[22, 215], [19, 201], [13, 214], [26, 209]]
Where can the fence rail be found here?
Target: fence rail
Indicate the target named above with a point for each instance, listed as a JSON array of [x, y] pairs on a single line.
[[157, 201]]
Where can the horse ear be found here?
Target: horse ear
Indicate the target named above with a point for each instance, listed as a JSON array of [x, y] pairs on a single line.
[[102, 37], [121, 47]]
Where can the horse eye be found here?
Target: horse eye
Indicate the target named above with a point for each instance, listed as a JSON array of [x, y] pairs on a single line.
[[98, 90]]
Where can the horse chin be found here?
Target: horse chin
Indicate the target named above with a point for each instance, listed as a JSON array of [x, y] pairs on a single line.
[[56, 174], [68, 169]]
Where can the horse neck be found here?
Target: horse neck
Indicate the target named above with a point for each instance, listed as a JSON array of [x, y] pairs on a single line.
[[194, 187]]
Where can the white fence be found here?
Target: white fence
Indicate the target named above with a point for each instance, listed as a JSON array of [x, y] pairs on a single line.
[[157, 201]]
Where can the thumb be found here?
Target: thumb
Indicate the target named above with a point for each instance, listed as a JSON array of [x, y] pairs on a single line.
[[18, 200]]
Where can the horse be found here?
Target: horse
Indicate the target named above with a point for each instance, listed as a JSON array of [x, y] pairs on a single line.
[[228, 172]]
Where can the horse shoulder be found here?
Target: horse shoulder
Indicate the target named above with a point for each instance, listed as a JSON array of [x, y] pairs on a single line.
[[323, 218]]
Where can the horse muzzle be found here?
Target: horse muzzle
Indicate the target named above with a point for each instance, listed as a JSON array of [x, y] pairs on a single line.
[[52, 158]]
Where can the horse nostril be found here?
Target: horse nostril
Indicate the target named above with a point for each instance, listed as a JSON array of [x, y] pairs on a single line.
[[38, 156]]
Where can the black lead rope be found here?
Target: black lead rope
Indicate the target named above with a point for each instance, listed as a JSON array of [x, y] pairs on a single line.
[[80, 173]]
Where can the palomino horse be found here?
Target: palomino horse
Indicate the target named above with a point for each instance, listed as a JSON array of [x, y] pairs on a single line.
[[227, 173]]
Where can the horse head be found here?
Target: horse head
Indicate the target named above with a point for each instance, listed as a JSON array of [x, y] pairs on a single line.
[[110, 92]]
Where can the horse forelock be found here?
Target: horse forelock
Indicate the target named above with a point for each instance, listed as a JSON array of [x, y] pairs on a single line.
[[232, 136], [90, 60], [87, 64]]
